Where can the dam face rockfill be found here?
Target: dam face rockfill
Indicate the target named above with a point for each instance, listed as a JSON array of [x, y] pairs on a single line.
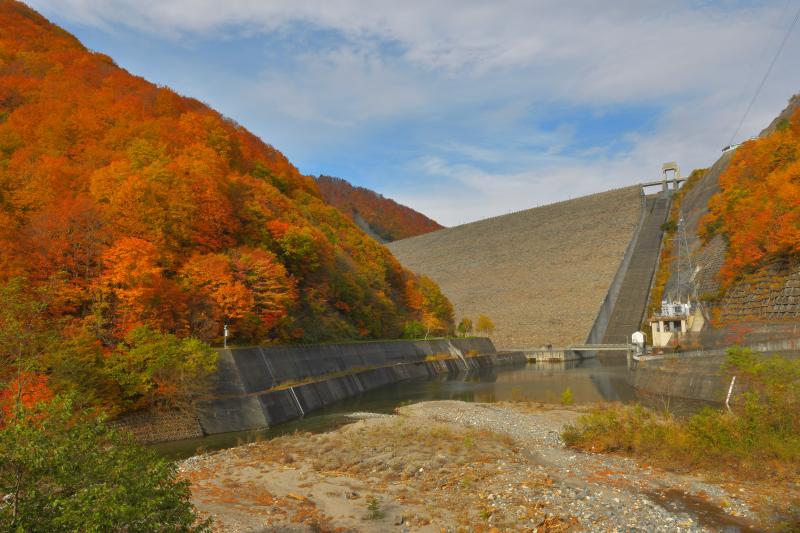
[[541, 274]]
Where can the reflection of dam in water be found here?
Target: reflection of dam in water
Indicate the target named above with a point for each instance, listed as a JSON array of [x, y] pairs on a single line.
[[590, 381]]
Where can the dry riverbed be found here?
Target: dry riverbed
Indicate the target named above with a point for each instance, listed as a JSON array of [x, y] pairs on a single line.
[[453, 466]]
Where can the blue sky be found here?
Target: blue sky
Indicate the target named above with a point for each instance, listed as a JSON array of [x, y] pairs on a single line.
[[464, 109]]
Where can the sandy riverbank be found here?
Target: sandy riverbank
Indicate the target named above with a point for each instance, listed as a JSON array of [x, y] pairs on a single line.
[[452, 466]]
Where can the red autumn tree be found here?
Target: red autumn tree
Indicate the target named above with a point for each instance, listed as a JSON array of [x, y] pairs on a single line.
[[26, 390], [388, 219]]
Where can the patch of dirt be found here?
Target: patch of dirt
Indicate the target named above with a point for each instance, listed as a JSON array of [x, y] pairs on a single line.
[[450, 466]]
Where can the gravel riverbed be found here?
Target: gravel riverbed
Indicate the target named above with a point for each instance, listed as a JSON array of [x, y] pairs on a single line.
[[452, 466]]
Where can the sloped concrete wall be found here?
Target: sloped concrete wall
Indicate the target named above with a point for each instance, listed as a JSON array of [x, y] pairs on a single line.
[[700, 375], [541, 274], [264, 367], [232, 410], [243, 399], [691, 378], [771, 294], [288, 404]]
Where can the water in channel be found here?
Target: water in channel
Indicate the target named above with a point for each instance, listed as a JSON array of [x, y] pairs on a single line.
[[590, 381]]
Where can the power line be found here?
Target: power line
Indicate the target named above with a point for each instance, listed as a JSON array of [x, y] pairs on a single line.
[[766, 74]]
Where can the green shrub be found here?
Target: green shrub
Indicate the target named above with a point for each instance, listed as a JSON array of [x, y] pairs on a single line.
[[154, 368], [670, 226], [632, 429], [374, 511], [567, 398], [413, 330], [763, 429], [62, 471], [464, 327]]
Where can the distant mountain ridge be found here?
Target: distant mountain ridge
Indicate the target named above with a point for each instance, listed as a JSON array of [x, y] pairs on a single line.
[[381, 217]]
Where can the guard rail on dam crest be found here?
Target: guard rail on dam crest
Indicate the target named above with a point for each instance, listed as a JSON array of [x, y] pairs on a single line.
[[257, 387]]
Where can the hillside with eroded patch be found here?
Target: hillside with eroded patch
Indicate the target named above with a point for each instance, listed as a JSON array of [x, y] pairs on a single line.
[[382, 217]]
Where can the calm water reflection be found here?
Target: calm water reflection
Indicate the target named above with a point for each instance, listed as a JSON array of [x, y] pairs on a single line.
[[590, 381]]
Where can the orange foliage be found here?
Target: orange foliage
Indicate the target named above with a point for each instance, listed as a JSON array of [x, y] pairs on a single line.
[[143, 207], [212, 275], [28, 388], [390, 220], [132, 281], [758, 207], [272, 288]]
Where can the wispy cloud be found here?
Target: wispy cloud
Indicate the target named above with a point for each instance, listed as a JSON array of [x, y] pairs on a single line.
[[466, 109]]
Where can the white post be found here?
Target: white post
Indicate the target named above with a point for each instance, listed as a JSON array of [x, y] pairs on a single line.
[[730, 390], [225, 336]]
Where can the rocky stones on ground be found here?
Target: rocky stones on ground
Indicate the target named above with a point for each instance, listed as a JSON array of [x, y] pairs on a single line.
[[451, 466]]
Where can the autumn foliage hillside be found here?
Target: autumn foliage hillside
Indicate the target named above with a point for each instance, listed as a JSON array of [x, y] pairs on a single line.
[[130, 212], [757, 210], [386, 218]]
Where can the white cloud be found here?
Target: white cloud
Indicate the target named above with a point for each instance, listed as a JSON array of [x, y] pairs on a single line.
[[343, 86], [620, 49], [494, 68]]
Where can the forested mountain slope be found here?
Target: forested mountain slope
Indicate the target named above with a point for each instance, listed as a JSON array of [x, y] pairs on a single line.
[[385, 218], [125, 205], [743, 222]]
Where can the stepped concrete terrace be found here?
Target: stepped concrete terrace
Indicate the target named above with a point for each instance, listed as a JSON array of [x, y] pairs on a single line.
[[541, 274]]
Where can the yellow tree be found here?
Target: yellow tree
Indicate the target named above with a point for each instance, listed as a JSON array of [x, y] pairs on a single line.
[[484, 325]]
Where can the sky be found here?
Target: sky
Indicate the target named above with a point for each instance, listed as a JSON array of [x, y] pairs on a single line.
[[465, 109]]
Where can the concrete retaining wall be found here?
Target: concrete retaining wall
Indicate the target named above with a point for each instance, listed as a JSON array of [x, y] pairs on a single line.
[[698, 375], [694, 379], [260, 368], [254, 386], [772, 293]]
